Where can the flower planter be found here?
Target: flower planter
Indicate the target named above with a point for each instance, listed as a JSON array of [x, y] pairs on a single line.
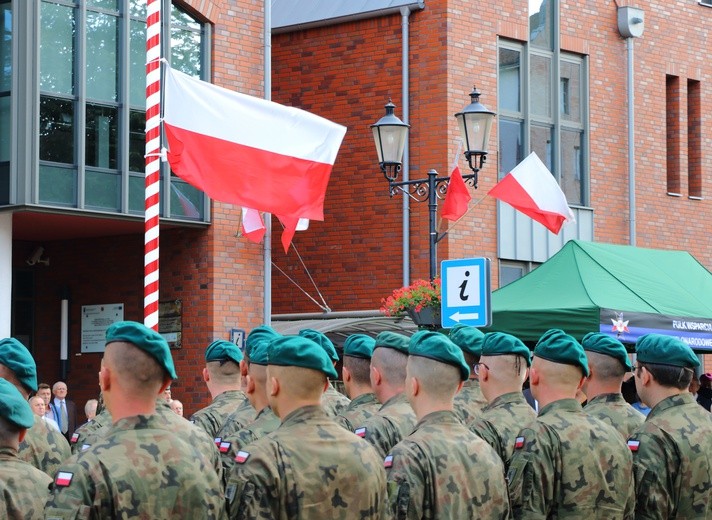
[[427, 317]]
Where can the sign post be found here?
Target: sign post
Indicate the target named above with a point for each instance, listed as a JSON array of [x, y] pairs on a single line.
[[466, 292]]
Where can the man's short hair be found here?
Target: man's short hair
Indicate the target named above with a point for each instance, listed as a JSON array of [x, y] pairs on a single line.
[[224, 371], [437, 380], [606, 367], [43, 386], [669, 376], [135, 365], [359, 368], [391, 363]]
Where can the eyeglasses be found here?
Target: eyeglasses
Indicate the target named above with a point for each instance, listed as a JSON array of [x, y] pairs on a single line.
[[477, 368]]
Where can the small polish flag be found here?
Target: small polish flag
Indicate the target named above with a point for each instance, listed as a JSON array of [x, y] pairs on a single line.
[[224, 447], [633, 444], [388, 461], [361, 432], [241, 457], [75, 438], [519, 443], [85, 447], [63, 478], [217, 441]]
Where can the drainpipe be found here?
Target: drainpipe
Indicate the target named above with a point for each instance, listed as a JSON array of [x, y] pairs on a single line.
[[631, 25], [267, 241], [405, 80]]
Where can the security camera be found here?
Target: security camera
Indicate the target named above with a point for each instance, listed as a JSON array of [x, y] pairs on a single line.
[[36, 257]]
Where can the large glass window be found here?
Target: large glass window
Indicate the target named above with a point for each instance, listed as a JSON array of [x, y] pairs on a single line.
[[5, 98]]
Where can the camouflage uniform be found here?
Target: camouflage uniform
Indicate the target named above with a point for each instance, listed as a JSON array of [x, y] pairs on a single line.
[[139, 470], [24, 489], [358, 410], [44, 447], [212, 417], [567, 464], [236, 421], [672, 460], [393, 421], [85, 433], [469, 401], [266, 422], [309, 468], [500, 421], [442, 470], [614, 410], [333, 402]]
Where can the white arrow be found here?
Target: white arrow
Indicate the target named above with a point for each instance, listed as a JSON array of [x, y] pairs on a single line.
[[464, 316]]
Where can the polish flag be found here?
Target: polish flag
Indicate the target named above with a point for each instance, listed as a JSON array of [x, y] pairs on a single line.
[[249, 151], [253, 228], [457, 197], [531, 188]]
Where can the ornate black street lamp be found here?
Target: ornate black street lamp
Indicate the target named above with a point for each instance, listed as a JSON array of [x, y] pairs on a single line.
[[391, 134]]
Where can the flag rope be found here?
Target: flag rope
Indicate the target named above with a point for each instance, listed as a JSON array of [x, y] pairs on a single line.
[[450, 228], [153, 161], [324, 307]]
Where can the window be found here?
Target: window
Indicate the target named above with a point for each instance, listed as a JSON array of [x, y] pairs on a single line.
[[5, 98], [510, 271], [92, 103]]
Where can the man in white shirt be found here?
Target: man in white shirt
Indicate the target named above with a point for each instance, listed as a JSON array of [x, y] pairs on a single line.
[[38, 408]]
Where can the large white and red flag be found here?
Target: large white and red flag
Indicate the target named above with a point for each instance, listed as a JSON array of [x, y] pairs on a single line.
[[532, 189], [249, 151]]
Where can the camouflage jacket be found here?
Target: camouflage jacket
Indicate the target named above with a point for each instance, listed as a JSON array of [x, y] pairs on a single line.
[[139, 470], [500, 421], [614, 410], [43, 447], [309, 467], [24, 489], [442, 470], [266, 422], [236, 421], [212, 417], [567, 464], [393, 421], [333, 402], [469, 401], [672, 460], [83, 436], [358, 410]]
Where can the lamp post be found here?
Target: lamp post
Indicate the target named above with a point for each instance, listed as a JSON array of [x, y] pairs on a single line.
[[390, 135]]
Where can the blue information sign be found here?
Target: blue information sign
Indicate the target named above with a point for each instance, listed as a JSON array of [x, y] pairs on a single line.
[[466, 292]]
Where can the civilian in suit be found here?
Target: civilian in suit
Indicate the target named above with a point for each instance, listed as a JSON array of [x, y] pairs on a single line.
[[65, 411]]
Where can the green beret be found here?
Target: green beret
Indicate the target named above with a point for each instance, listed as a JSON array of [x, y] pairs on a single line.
[[148, 340], [665, 350], [469, 339], [605, 344], [503, 344], [259, 355], [261, 333], [223, 350], [298, 351], [438, 347], [359, 346], [13, 407], [15, 356], [557, 346], [320, 339], [393, 340]]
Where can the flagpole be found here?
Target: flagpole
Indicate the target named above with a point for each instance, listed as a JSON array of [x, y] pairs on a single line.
[[153, 163]]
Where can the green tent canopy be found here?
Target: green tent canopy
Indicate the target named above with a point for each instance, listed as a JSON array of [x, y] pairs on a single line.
[[623, 291]]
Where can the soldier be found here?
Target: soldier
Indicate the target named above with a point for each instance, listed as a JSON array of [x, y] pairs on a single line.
[[469, 402], [333, 401], [672, 450], [608, 362], [442, 470], [309, 467], [358, 349], [24, 489], [222, 377], [567, 464], [502, 370], [256, 391], [43, 447], [87, 433], [395, 418], [139, 470]]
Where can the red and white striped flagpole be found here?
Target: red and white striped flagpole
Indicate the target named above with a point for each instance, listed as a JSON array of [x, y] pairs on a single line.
[[153, 163]]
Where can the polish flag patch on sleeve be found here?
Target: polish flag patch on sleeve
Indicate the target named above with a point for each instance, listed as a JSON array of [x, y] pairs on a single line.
[[361, 432], [224, 447], [241, 457], [388, 461], [217, 441], [75, 438], [519, 443], [63, 478], [633, 444]]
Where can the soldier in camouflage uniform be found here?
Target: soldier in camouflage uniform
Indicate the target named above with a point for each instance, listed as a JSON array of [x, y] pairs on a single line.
[[609, 363], [332, 401], [442, 470], [358, 349], [469, 402], [672, 450], [502, 370], [83, 434], [222, 376], [567, 464], [310, 467], [23, 488], [140, 469], [395, 418], [43, 447]]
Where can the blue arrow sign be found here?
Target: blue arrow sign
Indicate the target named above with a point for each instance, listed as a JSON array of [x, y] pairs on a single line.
[[465, 292]]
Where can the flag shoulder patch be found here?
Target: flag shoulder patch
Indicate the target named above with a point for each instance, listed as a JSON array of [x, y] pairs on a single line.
[[361, 432], [224, 447], [388, 461], [217, 441], [75, 438], [633, 444], [519, 443], [63, 478], [242, 457]]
